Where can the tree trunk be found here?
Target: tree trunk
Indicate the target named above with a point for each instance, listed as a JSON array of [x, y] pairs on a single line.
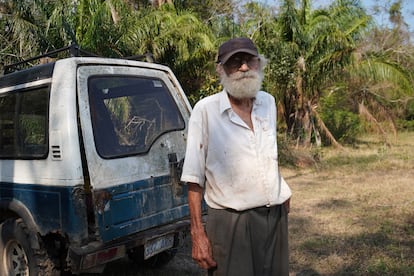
[[158, 3]]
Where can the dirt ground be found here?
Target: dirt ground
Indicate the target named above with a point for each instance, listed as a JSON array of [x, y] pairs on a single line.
[[350, 215], [181, 265]]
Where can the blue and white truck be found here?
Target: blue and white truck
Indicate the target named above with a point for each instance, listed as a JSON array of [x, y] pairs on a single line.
[[91, 151]]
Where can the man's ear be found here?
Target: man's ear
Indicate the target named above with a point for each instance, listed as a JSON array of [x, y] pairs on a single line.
[[219, 69]]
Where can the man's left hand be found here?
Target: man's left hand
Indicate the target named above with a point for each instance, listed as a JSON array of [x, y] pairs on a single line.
[[287, 205]]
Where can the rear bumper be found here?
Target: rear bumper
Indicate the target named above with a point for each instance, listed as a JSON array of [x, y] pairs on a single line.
[[96, 253]]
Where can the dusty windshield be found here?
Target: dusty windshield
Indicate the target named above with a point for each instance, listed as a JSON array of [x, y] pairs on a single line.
[[129, 114]]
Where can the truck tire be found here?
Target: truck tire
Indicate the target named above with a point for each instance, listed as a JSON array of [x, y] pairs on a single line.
[[18, 256]]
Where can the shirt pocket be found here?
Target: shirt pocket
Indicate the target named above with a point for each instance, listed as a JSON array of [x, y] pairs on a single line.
[[267, 139]]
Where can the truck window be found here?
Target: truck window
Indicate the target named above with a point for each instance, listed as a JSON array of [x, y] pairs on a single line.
[[23, 124], [129, 114]]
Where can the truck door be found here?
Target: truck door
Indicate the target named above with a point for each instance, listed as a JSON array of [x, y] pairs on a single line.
[[133, 124]]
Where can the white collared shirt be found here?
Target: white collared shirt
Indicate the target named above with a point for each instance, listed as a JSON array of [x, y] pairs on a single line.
[[236, 165]]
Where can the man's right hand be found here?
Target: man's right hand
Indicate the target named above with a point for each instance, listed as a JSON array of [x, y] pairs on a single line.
[[202, 251]]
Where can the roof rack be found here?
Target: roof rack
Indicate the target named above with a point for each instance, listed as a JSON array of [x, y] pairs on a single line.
[[74, 51]]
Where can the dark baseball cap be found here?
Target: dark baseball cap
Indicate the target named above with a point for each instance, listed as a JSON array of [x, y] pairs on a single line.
[[236, 45]]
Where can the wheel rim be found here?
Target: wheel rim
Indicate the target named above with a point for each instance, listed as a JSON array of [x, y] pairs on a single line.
[[15, 259]]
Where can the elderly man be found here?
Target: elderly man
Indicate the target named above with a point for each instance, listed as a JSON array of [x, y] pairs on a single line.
[[231, 160]]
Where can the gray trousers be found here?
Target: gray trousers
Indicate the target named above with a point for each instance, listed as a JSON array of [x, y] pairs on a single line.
[[249, 243]]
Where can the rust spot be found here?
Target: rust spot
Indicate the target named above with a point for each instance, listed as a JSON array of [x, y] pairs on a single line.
[[100, 199], [78, 195]]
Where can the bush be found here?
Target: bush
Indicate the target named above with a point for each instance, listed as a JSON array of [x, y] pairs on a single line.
[[343, 124], [290, 156], [405, 125], [409, 112]]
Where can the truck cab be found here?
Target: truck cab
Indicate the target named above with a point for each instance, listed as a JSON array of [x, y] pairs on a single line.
[[91, 151]]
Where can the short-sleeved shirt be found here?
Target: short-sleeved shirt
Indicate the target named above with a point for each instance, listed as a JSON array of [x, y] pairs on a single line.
[[237, 166]]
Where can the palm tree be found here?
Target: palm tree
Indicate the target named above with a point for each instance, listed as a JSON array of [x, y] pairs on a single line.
[[310, 51], [22, 33], [175, 38], [380, 79]]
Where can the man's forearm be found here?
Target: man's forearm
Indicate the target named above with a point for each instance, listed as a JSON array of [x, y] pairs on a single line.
[[195, 195], [201, 248]]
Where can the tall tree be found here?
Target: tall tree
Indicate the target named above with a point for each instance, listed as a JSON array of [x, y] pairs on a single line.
[[112, 28], [381, 75], [309, 49], [315, 46], [23, 24], [176, 38], [208, 10]]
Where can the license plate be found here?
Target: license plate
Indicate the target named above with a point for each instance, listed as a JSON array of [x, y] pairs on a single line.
[[158, 245]]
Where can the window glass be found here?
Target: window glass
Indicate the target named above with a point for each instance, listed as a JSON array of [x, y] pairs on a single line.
[[23, 124], [130, 113]]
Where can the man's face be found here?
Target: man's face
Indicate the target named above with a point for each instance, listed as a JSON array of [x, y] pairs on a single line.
[[242, 75], [241, 62]]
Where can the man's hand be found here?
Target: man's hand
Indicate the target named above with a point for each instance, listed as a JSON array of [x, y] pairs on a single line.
[[201, 250], [287, 205]]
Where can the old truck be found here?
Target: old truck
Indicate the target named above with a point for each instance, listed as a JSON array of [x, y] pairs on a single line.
[[91, 150]]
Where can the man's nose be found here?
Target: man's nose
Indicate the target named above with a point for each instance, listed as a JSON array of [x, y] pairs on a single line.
[[244, 67]]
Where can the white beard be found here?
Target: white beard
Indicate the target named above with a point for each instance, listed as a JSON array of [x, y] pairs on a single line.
[[242, 84]]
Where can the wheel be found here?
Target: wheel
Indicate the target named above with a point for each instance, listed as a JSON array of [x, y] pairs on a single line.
[[15, 259], [18, 257]]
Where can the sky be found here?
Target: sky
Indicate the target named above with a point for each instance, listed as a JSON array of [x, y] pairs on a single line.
[[380, 18]]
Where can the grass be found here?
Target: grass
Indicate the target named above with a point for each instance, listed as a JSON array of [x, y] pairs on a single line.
[[352, 213]]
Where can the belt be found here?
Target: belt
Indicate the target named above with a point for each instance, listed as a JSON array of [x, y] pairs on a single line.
[[259, 208]]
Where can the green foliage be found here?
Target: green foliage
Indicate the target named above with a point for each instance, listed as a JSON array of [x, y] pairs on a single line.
[[207, 10], [407, 125], [287, 157], [175, 38], [308, 50], [409, 114], [210, 87], [342, 123]]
